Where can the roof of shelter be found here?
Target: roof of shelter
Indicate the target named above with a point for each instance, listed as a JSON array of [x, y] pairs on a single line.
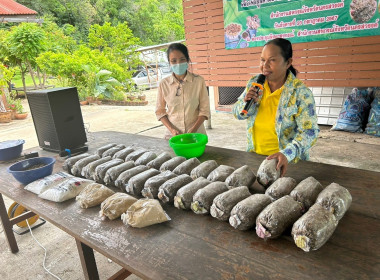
[[155, 47], [10, 7], [153, 54]]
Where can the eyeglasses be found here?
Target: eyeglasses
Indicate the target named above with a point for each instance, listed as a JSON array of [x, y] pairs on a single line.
[[179, 89]]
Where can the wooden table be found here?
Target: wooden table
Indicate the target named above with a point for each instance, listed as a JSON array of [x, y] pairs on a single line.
[[191, 246]]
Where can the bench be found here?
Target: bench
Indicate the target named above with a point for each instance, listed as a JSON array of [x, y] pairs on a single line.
[[21, 89]]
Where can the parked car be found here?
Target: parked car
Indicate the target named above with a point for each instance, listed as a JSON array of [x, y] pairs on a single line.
[[166, 71], [141, 79]]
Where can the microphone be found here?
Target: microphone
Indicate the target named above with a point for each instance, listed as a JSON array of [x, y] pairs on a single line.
[[258, 85]]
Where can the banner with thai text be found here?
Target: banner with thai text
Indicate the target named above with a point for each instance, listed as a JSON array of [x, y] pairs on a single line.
[[251, 23]]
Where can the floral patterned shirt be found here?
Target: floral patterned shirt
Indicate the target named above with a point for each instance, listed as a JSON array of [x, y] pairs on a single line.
[[296, 119]]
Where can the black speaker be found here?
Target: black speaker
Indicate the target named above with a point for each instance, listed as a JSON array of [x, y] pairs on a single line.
[[58, 119], [229, 95]]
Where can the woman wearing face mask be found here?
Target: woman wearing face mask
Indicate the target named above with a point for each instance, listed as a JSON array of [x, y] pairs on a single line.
[[182, 99], [282, 121]]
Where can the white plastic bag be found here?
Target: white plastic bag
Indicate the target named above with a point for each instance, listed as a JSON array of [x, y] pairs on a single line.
[[66, 190], [41, 185]]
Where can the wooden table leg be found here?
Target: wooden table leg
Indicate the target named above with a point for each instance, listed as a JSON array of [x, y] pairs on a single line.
[[87, 259], [120, 275], [7, 226]]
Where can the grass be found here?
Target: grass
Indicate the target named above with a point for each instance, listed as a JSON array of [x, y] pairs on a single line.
[[18, 82]]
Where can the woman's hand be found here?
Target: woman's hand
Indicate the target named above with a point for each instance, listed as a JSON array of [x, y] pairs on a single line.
[[282, 162], [174, 132], [172, 129], [254, 94], [192, 130], [197, 124]]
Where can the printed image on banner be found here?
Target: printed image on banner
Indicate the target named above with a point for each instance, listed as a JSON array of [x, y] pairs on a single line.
[[252, 23]]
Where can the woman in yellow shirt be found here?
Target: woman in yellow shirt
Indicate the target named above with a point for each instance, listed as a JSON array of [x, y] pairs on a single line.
[[282, 121], [182, 99]]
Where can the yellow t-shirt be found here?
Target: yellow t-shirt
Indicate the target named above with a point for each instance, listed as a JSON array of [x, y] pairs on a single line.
[[264, 131]]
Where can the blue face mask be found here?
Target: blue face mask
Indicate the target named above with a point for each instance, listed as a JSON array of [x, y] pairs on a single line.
[[180, 68]]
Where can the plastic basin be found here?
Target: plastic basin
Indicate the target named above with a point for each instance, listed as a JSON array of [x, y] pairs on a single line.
[[24, 174], [189, 145], [11, 149]]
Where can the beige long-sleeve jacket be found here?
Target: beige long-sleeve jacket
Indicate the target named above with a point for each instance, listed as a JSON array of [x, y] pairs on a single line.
[[183, 102]]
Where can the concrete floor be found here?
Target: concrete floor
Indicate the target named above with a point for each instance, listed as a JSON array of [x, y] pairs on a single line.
[[338, 148]]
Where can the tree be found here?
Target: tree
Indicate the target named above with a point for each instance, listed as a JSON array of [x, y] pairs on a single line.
[[153, 21], [78, 13], [5, 77], [58, 39], [117, 43], [113, 11], [21, 45], [68, 68], [170, 28], [157, 22], [67, 40]]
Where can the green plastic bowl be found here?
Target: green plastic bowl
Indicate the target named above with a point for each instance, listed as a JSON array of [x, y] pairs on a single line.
[[189, 145]]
